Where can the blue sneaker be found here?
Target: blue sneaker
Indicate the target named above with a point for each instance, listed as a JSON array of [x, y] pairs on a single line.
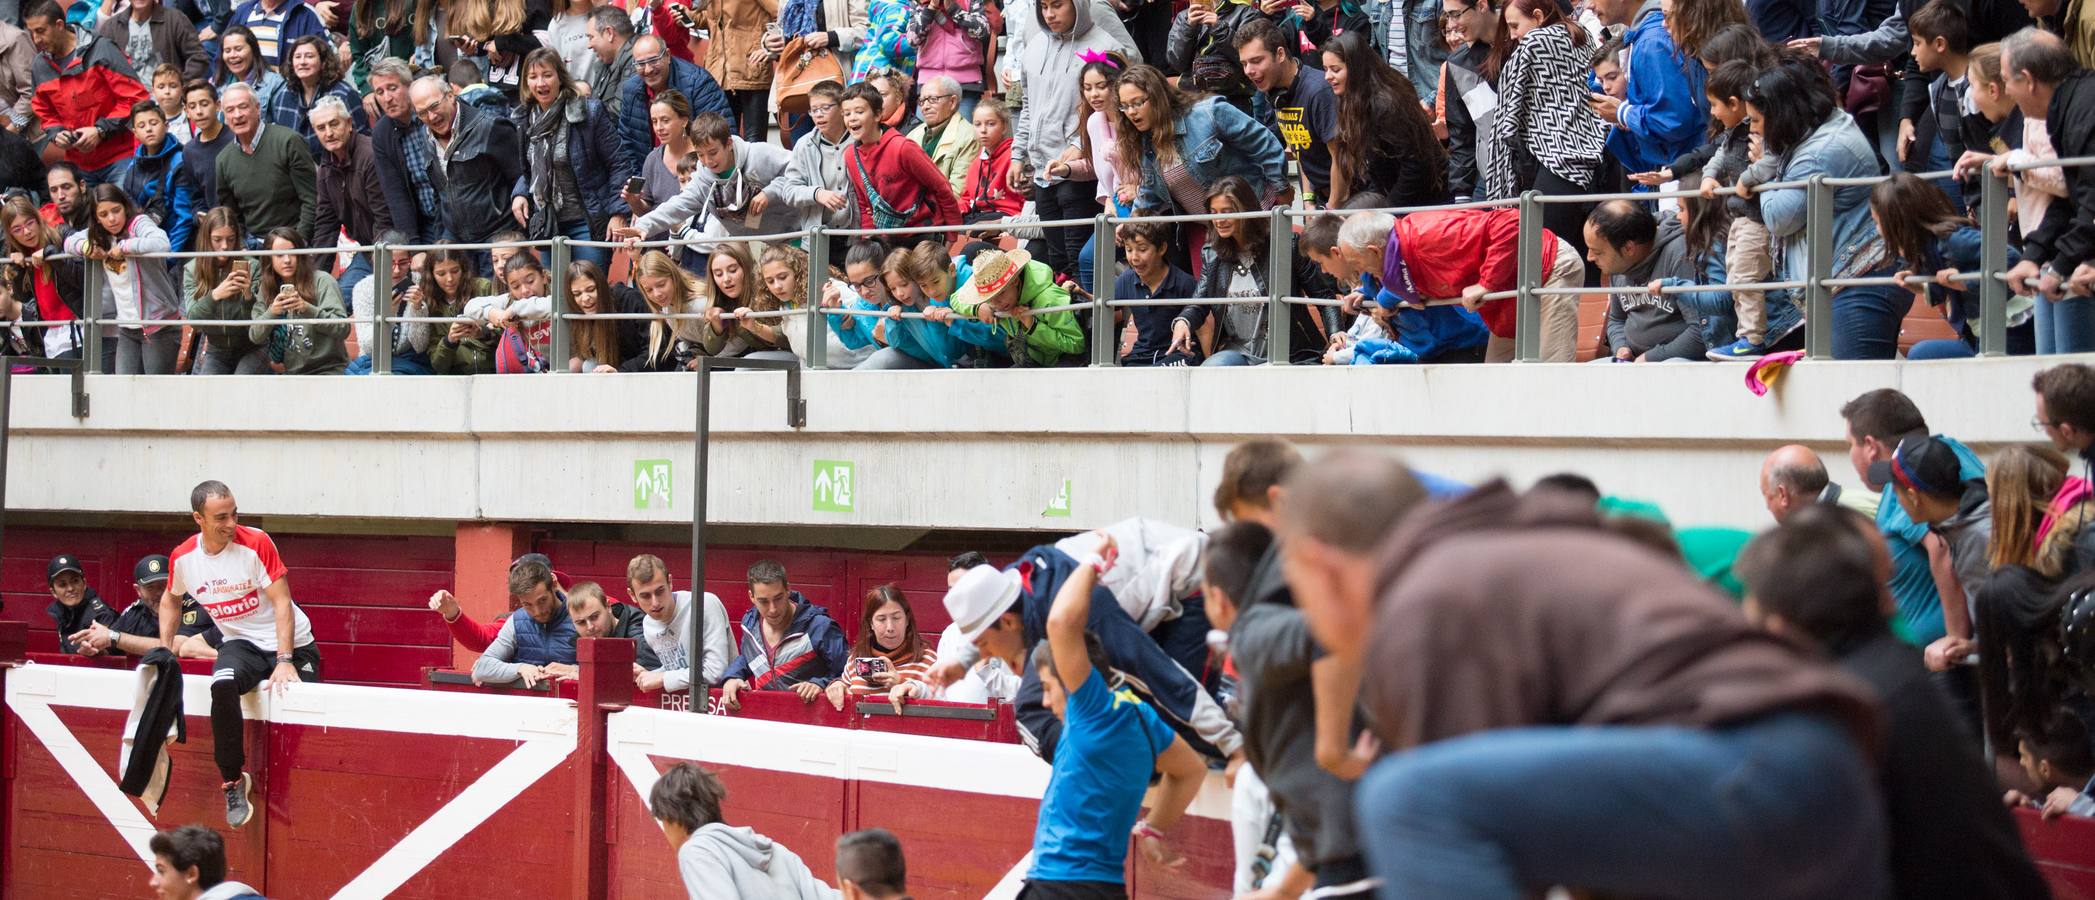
[[1738, 350]]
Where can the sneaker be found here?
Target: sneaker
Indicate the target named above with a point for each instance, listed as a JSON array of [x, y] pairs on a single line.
[[1738, 350], [238, 810]]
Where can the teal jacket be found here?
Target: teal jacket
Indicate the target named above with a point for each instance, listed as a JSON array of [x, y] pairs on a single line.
[[1052, 337]]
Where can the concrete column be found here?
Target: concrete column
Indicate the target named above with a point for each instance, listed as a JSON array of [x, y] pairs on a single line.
[[480, 574]]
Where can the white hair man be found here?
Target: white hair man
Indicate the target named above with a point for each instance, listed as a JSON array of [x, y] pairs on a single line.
[[950, 137], [350, 197], [1458, 256]]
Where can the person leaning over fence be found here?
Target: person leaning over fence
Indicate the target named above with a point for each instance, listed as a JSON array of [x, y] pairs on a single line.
[[1432, 334], [596, 615], [996, 309], [537, 642], [135, 289], [40, 286], [1632, 248], [1438, 257]]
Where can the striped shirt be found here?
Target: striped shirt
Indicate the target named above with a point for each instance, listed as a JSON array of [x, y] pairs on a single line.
[[910, 670], [268, 29]]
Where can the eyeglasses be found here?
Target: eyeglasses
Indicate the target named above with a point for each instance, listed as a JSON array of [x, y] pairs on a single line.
[[936, 98], [1126, 108], [649, 62], [867, 286], [824, 109], [426, 111], [2039, 424]]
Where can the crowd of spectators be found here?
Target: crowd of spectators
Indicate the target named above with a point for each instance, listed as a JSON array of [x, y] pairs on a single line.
[[353, 124]]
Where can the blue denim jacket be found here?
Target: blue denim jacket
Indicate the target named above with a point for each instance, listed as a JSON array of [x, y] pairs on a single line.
[[1214, 139], [1836, 149], [1422, 35]]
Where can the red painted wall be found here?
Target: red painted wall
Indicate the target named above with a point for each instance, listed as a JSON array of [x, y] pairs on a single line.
[[368, 595]]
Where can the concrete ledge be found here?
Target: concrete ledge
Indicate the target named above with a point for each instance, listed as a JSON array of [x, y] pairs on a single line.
[[947, 449]]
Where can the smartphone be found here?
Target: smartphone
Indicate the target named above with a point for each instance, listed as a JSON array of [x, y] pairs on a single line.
[[636, 184], [865, 666]]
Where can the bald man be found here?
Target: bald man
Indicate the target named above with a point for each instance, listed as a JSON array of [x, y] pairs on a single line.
[[1794, 477]]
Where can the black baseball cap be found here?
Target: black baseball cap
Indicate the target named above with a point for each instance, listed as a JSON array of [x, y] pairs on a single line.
[[150, 570], [1922, 463], [61, 564]]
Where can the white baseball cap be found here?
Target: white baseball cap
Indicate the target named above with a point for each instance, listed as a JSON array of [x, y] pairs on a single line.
[[981, 595]]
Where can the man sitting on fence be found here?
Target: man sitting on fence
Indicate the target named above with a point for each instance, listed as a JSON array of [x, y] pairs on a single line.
[[787, 642], [537, 641]]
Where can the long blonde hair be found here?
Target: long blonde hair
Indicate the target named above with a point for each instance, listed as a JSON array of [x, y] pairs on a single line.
[[2020, 481], [684, 291], [21, 207]]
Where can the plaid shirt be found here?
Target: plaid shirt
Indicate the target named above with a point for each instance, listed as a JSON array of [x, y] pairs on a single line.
[[415, 145]]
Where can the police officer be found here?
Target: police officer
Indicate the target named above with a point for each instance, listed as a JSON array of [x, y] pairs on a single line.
[[138, 629], [74, 605]]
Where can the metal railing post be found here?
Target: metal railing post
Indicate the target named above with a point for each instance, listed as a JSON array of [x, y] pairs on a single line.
[[817, 275], [1527, 311], [91, 334], [1993, 260], [1105, 339], [561, 348], [1818, 261], [1280, 282], [381, 280]]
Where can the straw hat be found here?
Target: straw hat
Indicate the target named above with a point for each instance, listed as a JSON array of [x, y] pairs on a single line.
[[994, 269]]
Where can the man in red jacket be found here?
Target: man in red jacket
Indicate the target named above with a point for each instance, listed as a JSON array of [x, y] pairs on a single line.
[[85, 89], [1458, 256], [911, 190]]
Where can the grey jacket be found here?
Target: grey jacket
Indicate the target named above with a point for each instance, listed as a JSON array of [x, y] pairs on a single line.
[[1048, 66], [607, 82], [719, 861], [761, 164], [1658, 327], [1274, 652], [1968, 532], [816, 164]]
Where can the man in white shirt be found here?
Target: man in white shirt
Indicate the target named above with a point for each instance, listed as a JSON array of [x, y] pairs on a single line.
[[668, 624], [235, 574]]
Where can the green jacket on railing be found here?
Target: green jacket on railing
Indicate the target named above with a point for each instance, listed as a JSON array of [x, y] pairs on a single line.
[[197, 305], [307, 349], [471, 356]]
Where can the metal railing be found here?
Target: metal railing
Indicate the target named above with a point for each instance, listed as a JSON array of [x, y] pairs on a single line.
[[1817, 288]]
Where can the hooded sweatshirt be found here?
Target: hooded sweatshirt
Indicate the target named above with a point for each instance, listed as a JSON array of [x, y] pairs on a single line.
[[756, 167], [719, 861], [145, 288], [667, 642], [1498, 611], [1657, 327], [1050, 68]]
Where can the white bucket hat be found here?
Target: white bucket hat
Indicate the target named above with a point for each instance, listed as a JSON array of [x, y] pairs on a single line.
[[981, 595]]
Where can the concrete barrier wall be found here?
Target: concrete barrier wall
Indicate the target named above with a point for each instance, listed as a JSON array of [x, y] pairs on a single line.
[[991, 449]]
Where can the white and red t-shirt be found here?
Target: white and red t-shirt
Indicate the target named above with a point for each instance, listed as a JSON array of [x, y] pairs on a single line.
[[229, 585]]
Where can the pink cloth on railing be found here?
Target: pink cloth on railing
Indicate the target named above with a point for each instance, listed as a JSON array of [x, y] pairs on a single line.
[[2073, 491], [1761, 377]]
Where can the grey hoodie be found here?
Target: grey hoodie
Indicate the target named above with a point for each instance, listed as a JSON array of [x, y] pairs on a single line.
[[1658, 327], [1049, 72], [757, 164], [816, 165], [719, 861]]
